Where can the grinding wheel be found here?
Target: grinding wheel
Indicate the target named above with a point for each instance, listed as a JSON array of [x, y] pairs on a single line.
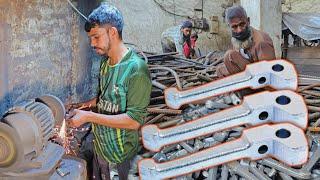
[[56, 106]]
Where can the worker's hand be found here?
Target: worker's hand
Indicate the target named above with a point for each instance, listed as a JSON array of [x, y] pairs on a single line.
[[78, 118], [71, 107]]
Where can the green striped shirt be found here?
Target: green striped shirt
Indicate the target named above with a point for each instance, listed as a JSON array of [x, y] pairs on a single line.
[[123, 88]]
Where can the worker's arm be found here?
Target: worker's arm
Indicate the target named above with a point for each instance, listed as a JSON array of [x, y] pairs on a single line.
[[91, 103], [122, 121], [137, 102], [87, 104]]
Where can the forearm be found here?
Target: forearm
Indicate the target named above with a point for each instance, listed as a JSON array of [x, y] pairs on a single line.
[[91, 102], [122, 121]]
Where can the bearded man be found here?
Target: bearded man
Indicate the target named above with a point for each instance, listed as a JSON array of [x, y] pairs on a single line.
[[248, 44]]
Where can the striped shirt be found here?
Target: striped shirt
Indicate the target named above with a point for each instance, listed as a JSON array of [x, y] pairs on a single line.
[[123, 88]]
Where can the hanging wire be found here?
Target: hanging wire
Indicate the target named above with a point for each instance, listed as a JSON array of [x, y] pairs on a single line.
[[173, 13], [75, 9]]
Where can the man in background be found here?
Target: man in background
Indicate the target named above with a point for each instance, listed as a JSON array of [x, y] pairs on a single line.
[[179, 39], [248, 44]]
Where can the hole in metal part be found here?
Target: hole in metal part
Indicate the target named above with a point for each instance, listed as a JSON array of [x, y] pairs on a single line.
[[277, 67], [283, 133], [283, 100], [263, 149], [264, 115], [262, 80]]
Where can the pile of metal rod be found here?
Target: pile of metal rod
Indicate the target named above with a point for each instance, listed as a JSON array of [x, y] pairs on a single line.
[[168, 70]]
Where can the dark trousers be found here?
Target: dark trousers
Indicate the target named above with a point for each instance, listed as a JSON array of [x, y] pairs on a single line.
[[101, 170]]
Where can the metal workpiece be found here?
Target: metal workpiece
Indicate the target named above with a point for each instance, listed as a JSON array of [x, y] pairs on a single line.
[[224, 172], [287, 172], [297, 173], [241, 170], [174, 73], [264, 107], [190, 76], [257, 172], [279, 74], [307, 80], [284, 141], [284, 176], [314, 158]]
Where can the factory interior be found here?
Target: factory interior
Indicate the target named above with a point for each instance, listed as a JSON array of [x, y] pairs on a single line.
[[159, 89]]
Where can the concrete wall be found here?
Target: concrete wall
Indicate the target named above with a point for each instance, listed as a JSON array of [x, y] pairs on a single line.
[[42, 51], [4, 56], [145, 21], [301, 6], [266, 16]]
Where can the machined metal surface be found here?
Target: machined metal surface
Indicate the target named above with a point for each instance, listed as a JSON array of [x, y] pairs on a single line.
[[264, 107], [279, 74], [282, 141]]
